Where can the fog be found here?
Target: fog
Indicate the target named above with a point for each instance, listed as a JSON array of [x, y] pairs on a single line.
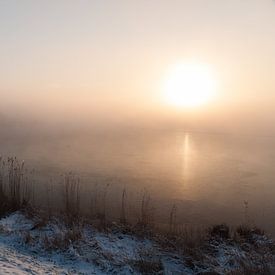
[[81, 86], [89, 63]]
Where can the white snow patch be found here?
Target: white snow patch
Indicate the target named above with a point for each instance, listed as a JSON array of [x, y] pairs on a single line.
[[95, 253], [23, 251]]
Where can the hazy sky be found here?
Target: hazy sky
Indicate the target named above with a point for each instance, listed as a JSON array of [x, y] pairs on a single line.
[[81, 57]]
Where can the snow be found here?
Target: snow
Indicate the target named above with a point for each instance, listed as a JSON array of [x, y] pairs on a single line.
[[97, 253], [23, 250]]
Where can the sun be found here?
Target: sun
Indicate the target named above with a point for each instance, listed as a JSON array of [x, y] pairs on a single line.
[[189, 85]]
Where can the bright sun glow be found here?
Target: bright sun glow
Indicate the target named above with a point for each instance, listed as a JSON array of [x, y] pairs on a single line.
[[189, 85]]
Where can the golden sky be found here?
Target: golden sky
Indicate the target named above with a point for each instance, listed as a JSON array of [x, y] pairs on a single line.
[[79, 57]]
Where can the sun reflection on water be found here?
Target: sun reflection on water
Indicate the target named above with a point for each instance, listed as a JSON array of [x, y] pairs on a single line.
[[185, 158]]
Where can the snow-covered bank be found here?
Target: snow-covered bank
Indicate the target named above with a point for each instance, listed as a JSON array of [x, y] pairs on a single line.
[[29, 246], [23, 250]]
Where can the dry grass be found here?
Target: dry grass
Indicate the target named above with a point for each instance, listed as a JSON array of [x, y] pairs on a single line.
[[249, 269], [63, 239], [16, 190], [173, 220], [146, 219], [3, 197], [98, 209], [148, 262], [247, 232], [72, 197], [220, 230], [123, 208]]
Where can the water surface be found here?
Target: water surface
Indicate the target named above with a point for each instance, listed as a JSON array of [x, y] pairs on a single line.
[[208, 176]]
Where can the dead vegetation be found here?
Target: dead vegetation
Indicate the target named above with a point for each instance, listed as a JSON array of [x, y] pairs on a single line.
[[98, 206], [194, 244], [63, 239], [148, 262], [123, 219], [72, 195], [3, 197], [16, 189]]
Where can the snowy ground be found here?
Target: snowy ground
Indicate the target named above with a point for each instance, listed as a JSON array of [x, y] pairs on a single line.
[[97, 253], [27, 248]]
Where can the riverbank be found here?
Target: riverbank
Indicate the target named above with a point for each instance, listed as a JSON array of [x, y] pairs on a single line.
[[33, 244]]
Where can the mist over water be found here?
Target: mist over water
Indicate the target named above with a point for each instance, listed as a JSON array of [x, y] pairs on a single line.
[[209, 175], [82, 89]]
